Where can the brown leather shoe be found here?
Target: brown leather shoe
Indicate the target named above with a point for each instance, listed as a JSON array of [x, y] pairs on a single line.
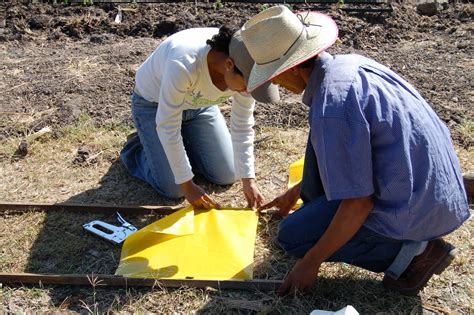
[[436, 257]]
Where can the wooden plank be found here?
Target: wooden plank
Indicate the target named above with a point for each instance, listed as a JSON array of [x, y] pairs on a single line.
[[93, 208], [469, 184], [110, 280]]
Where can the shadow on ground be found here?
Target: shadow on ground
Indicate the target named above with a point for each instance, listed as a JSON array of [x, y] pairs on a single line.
[[62, 246], [366, 296]]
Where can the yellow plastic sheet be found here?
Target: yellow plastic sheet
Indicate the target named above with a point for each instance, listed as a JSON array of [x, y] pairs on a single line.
[[193, 244], [296, 175]]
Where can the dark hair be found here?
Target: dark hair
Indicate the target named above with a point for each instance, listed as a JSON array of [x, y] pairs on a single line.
[[221, 40]]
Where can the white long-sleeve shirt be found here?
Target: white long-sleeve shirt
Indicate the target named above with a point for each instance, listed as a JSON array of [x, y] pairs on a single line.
[[176, 76]]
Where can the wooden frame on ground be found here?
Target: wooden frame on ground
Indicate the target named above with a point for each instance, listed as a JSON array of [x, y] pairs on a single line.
[[112, 280]]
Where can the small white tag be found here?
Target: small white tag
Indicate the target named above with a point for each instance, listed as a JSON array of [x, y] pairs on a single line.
[[118, 17], [348, 310]]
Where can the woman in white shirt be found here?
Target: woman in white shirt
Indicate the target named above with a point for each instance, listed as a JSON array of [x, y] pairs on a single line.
[[180, 129]]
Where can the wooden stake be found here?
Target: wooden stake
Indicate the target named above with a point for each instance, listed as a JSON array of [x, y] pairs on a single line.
[[93, 208], [110, 280]]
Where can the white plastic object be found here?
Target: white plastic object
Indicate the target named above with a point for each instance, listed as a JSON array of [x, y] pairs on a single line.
[[348, 310]]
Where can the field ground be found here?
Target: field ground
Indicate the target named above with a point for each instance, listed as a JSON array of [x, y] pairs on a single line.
[[70, 69]]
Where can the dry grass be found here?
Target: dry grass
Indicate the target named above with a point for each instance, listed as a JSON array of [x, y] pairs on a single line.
[[82, 68], [55, 242]]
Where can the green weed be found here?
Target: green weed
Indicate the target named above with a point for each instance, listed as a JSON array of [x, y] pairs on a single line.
[[264, 7], [218, 5], [467, 129]]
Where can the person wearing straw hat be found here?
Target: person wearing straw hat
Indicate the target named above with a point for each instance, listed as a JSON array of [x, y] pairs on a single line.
[[180, 129], [381, 180]]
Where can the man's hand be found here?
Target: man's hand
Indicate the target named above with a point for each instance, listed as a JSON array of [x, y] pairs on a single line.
[[197, 197], [349, 217], [301, 278], [254, 198], [285, 202]]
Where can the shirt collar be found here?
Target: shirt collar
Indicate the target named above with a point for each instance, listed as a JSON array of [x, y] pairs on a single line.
[[316, 77]]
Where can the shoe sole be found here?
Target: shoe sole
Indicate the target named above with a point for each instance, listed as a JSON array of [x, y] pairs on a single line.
[[437, 268]]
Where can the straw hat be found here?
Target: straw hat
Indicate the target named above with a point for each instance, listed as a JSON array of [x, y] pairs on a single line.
[[278, 40], [267, 92]]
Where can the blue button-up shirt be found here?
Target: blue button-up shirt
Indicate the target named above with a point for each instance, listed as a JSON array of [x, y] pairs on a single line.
[[373, 134]]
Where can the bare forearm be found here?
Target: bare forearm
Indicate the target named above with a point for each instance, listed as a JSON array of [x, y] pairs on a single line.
[[248, 181], [349, 218], [296, 189]]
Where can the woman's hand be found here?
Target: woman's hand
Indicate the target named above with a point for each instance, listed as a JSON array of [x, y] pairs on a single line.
[[197, 197], [285, 202], [254, 198]]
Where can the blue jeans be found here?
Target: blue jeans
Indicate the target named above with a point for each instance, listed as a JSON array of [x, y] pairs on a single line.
[[301, 230], [367, 249], [206, 140]]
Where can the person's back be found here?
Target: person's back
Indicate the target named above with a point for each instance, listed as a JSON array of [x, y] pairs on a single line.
[[185, 47], [412, 166]]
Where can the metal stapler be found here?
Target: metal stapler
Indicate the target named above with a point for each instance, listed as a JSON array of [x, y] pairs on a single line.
[[109, 232]]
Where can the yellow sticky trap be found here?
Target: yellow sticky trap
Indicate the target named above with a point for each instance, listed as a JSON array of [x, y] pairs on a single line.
[[193, 244], [178, 223], [296, 175]]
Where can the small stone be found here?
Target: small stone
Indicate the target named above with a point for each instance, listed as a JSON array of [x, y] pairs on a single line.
[[451, 30], [39, 22], [97, 39], [22, 148], [83, 154], [463, 44], [430, 7]]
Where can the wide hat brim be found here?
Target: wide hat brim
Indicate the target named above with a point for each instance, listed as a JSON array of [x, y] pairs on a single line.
[[320, 34]]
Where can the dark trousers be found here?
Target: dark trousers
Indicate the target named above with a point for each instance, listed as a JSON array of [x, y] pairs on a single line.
[[302, 229]]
